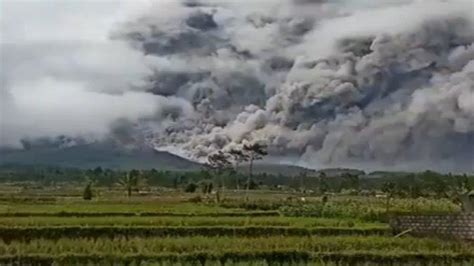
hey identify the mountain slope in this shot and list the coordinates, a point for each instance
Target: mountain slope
(97, 154)
(109, 155)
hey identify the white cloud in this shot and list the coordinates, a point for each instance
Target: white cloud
(60, 72)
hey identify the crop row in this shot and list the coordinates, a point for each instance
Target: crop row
(27, 233)
(396, 204)
(332, 210)
(140, 214)
(115, 207)
(184, 221)
(245, 258)
(155, 245)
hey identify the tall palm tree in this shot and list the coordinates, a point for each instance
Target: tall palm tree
(238, 157)
(130, 181)
(91, 182)
(254, 152)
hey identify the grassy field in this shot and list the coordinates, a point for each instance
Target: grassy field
(170, 228)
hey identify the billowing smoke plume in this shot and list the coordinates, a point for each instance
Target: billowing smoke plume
(322, 83)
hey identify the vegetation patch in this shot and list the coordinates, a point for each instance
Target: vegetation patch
(28, 233)
(249, 258)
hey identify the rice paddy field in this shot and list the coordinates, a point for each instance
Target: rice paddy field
(172, 228)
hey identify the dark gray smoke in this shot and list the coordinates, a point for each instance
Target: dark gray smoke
(301, 77)
(385, 84)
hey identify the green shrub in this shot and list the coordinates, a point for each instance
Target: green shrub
(254, 205)
(87, 195)
(190, 188)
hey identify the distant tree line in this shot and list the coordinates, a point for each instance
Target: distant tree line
(222, 171)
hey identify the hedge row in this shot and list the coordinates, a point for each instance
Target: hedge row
(271, 257)
(26, 233)
(37, 199)
(130, 214)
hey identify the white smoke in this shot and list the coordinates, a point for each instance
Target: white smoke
(62, 75)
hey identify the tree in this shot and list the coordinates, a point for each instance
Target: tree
(175, 182)
(254, 152)
(98, 171)
(130, 181)
(322, 183)
(388, 188)
(463, 193)
(95, 173)
(415, 190)
(302, 177)
(206, 186)
(409, 186)
(109, 177)
(439, 187)
(91, 180)
(435, 183)
(190, 188)
(251, 185)
(462, 183)
(87, 194)
(352, 181)
(238, 157)
(414, 187)
(219, 163)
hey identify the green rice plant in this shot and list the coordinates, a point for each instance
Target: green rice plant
(77, 207)
(366, 209)
(49, 221)
(29, 233)
(140, 214)
(353, 245)
(280, 257)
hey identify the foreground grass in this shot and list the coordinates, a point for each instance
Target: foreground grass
(280, 257)
(136, 245)
(237, 251)
(166, 230)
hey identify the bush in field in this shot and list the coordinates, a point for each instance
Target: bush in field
(255, 205)
(87, 194)
(190, 188)
(251, 185)
(91, 181)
